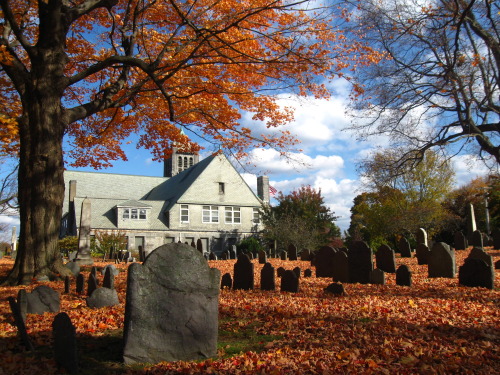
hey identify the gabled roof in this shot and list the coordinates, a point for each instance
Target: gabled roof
(133, 203)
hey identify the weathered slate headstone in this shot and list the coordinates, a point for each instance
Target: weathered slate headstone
(422, 236)
(496, 239)
(385, 259)
(262, 257)
(142, 254)
(404, 248)
(226, 281)
(233, 252)
(199, 245)
(114, 271)
(42, 299)
(19, 321)
(267, 277)
(422, 254)
(289, 282)
(360, 262)
(377, 276)
(323, 261)
(109, 279)
(459, 241)
(477, 239)
(65, 347)
(193, 244)
(336, 289)
(308, 273)
(80, 283)
(102, 297)
(280, 271)
(476, 273)
(67, 284)
(93, 271)
(305, 255)
(479, 253)
(243, 273)
(92, 284)
(225, 255)
(442, 261)
(171, 311)
(292, 252)
(297, 271)
(403, 276)
(340, 267)
(212, 256)
(284, 255)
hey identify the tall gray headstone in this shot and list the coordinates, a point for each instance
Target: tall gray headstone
(442, 261)
(340, 267)
(323, 261)
(172, 307)
(83, 256)
(385, 258)
(459, 241)
(422, 236)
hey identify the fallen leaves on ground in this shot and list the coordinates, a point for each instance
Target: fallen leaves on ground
(435, 326)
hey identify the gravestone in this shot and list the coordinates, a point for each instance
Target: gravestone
(340, 267)
(422, 236)
(193, 244)
(459, 241)
(477, 239)
(289, 282)
(212, 256)
(305, 255)
(479, 253)
(83, 256)
(22, 303)
(74, 267)
(19, 321)
(496, 239)
(476, 273)
(80, 283)
(308, 273)
(67, 284)
(225, 255)
(92, 284)
(292, 252)
(422, 254)
(114, 271)
(404, 248)
(360, 262)
(233, 252)
(442, 261)
(102, 297)
(226, 281)
(262, 257)
(297, 272)
(243, 273)
(171, 311)
(323, 261)
(335, 289)
(267, 277)
(403, 275)
(471, 222)
(42, 299)
(93, 271)
(283, 255)
(109, 279)
(65, 347)
(377, 276)
(280, 271)
(142, 254)
(199, 245)
(385, 259)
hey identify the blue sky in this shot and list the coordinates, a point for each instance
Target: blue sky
(327, 160)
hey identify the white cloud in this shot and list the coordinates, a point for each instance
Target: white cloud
(467, 168)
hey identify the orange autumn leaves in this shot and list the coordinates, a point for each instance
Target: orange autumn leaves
(435, 326)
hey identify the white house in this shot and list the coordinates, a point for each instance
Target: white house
(206, 200)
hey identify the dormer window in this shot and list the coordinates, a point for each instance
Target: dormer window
(133, 210)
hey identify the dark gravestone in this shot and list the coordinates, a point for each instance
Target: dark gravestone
(67, 284)
(42, 299)
(193, 244)
(233, 252)
(65, 348)
(93, 271)
(109, 279)
(340, 268)
(92, 284)
(142, 254)
(22, 303)
(479, 253)
(80, 284)
(403, 275)
(74, 267)
(404, 248)
(360, 262)
(212, 256)
(496, 239)
(284, 255)
(292, 252)
(243, 273)
(442, 261)
(323, 261)
(19, 321)
(289, 282)
(377, 276)
(422, 254)
(305, 255)
(336, 289)
(225, 255)
(459, 241)
(385, 259)
(267, 277)
(226, 281)
(297, 271)
(262, 257)
(199, 245)
(308, 273)
(280, 271)
(102, 297)
(114, 270)
(476, 273)
(477, 239)
(171, 311)
(497, 265)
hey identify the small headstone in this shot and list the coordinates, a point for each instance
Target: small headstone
(65, 348)
(22, 303)
(404, 248)
(92, 284)
(267, 277)
(42, 299)
(377, 276)
(323, 261)
(233, 252)
(385, 259)
(292, 252)
(67, 284)
(297, 271)
(280, 271)
(422, 254)
(308, 273)
(403, 275)
(477, 239)
(476, 273)
(283, 255)
(172, 307)
(73, 267)
(114, 271)
(199, 245)
(289, 282)
(243, 273)
(305, 255)
(225, 255)
(93, 271)
(340, 267)
(460, 241)
(262, 257)
(19, 321)
(109, 279)
(496, 239)
(80, 283)
(360, 262)
(422, 236)
(336, 289)
(142, 254)
(479, 253)
(226, 281)
(102, 297)
(212, 256)
(442, 261)
(193, 244)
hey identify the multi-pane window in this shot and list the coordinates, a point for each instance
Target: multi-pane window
(134, 213)
(184, 213)
(256, 215)
(233, 215)
(126, 213)
(210, 214)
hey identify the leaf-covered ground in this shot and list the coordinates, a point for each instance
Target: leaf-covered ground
(435, 326)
